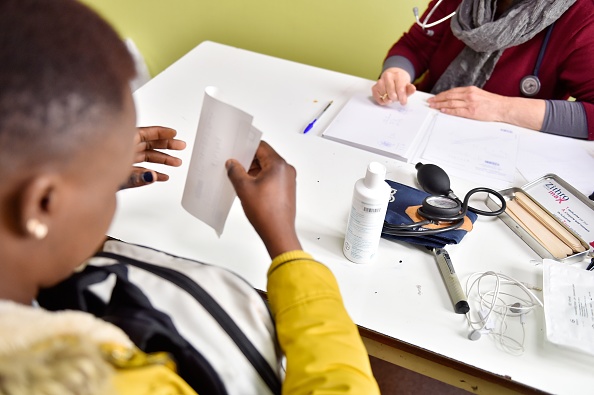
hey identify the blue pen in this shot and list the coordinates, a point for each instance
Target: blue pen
(311, 124)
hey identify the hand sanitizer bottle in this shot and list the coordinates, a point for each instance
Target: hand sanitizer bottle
(368, 211)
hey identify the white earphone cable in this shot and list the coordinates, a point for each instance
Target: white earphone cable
(497, 304)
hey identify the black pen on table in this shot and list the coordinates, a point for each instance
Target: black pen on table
(311, 124)
(451, 281)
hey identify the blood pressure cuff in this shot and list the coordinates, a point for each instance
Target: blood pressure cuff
(402, 210)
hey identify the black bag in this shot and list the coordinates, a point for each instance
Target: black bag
(214, 324)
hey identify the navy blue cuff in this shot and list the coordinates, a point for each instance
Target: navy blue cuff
(403, 198)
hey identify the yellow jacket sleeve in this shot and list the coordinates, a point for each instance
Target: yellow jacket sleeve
(325, 354)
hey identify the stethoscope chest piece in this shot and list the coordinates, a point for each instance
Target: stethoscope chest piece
(530, 86)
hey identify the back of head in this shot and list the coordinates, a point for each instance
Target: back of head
(62, 68)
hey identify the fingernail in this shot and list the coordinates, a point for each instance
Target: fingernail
(147, 176)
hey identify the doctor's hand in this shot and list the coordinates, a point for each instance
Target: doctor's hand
(268, 193)
(147, 141)
(471, 102)
(394, 85)
(475, 103)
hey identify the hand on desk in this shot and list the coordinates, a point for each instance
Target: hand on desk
(148, 140)
(470, 102)
(393, 85)
(475, 103)
(467, 102)
(267, 193)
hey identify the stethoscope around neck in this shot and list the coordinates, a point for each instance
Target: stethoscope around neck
(529, 85)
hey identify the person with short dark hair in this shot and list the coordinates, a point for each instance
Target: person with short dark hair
(68, 141)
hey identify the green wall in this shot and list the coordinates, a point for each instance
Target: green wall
(350, 36)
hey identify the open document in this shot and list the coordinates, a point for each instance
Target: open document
(224, 132)
(483, 152)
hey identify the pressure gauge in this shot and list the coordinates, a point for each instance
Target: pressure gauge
(441, 206)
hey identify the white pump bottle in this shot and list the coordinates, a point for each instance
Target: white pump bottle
(370, 201)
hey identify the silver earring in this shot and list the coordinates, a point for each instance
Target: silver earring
(37, 228)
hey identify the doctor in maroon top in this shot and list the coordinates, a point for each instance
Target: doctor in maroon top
(513, 61)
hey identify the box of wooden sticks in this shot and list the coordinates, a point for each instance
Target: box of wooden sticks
(551, 216)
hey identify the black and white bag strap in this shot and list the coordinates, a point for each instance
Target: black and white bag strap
(227, 323)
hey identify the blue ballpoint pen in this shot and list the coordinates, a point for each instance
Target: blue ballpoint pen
(311, 124)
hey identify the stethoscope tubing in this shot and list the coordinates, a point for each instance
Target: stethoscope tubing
(534, 77)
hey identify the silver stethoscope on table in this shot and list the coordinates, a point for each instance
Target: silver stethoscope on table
(529, 85)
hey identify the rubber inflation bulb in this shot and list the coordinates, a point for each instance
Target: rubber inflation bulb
(433, 179)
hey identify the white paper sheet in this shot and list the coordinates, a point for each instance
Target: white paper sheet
(224, 132)
(563, 156)
(483, 152)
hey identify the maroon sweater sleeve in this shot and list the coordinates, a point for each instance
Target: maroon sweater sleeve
(576, 59)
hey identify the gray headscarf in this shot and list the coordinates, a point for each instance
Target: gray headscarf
(486, 38)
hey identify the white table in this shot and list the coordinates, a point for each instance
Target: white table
(400, 298)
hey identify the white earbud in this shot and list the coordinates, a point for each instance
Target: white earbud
(477, 334)
(496, 305)
(516, 308)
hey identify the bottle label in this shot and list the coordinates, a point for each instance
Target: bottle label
(364, 231)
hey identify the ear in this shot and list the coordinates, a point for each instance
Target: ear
(38, 202)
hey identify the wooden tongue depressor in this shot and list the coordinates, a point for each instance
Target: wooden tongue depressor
(548, 221)
(547, 239)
